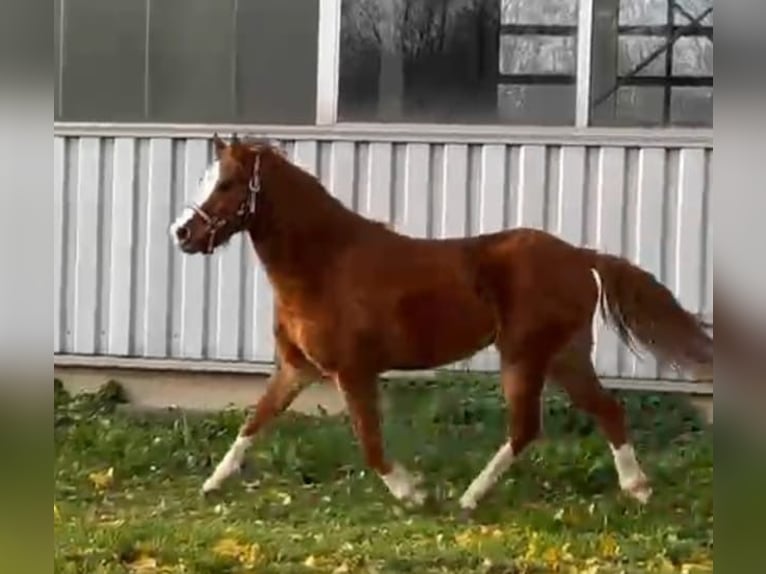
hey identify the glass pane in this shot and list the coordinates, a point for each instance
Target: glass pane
(693, 56)
(277, 61)
(692, 107)
(209, 61)
(537, 54)
(438, 61)
(693, 8)
(634, 50)
(560, 12)
(643, 12)
(539, 105)
(191, 60)
(103, 60)
(639, 106)
(57, 20)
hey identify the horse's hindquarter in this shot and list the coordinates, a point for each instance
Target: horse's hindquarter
(417, 301)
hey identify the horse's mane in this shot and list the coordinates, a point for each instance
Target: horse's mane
(258, 143)
(261, 144)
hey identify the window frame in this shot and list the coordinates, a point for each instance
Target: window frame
(327, 94)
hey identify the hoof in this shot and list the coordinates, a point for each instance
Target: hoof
(466, 514)
(640, 491)
(209, 487)
(415, 498)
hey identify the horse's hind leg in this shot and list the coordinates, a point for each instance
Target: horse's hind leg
(522, 383)
(573, 370)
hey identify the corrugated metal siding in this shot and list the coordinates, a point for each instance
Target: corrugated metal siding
(122, 289)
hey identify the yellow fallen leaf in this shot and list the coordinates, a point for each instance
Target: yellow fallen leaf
(102, 480)
(697, 568)
(464, 538)
(310, 562)
(247, 554)
(608, 547)
(552, 557)
(663, 564)
(143, 565)
(342, 569)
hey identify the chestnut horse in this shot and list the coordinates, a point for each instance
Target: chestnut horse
(353, 299)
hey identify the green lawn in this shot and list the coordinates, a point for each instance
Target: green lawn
(306, 503)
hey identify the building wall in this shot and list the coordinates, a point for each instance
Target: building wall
(121, 289)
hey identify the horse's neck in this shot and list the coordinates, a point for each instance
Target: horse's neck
(302, 231)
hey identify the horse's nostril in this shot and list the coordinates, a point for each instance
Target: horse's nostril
(183, 233)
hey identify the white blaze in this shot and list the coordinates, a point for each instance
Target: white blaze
(204, 189)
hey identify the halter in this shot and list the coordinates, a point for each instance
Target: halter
(244, 211)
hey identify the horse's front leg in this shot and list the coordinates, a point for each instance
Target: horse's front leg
(284, 386)
(361, 393)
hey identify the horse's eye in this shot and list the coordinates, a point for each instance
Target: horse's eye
(224, 185)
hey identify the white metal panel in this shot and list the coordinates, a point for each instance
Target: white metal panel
(86, 276)
(227, 325)
(192, 268)
(156, 255)
(531, 187)
(263, 317)
(121, 268)
(492, 188)
(571, 192)
(454, 201)
(378, 204)
(690, 230)
(305, 155)
(59, 240)
(648, 230)
(492, 183)
(707, 239)
(104, 241)
(343, 172)
(610, 228)
(416, 190)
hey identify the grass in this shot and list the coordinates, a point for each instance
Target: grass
(307, 503)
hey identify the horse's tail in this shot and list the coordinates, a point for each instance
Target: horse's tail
(641, 308)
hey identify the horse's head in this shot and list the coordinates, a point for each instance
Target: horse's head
(227, 191)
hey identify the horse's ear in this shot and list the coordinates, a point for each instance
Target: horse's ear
(278, 147)
(235, 139)
(218, 144)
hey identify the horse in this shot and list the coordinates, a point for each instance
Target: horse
(354, 298)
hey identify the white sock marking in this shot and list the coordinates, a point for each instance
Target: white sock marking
(631, 477)
(403, 485)
(487, 477)
(205, 187)
(229, 464)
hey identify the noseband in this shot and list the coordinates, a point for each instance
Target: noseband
(244, 211)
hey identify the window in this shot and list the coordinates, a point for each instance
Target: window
(198, 61)
(653, 63)
(502, 62)
(462, 61)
